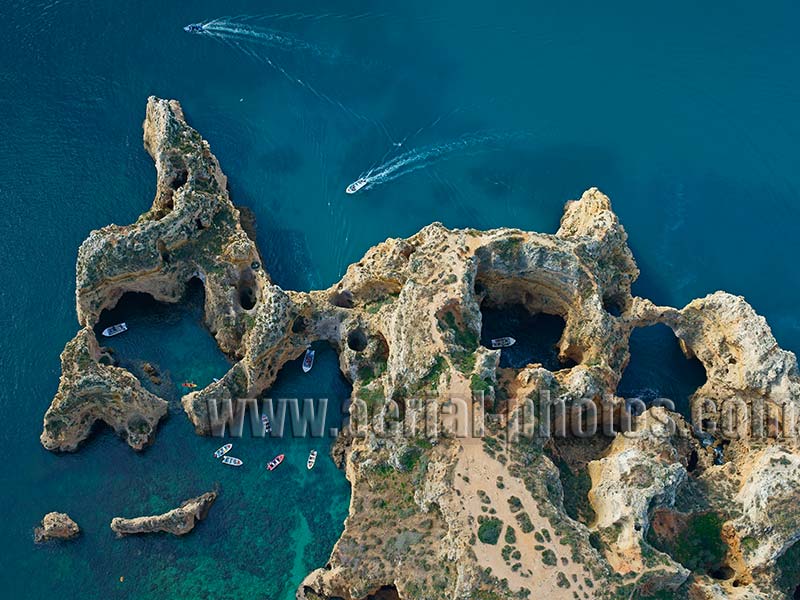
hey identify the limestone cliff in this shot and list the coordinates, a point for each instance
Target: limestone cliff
(93, 390)
(436, 515)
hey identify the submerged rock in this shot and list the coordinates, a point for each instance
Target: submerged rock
(178, 521)
(56, 526)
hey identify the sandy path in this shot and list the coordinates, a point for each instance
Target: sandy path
(481, 472)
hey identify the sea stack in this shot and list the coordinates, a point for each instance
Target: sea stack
(178, 521)
(56, 526)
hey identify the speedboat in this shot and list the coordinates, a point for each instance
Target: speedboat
(312, 458)
(267, 424)
(357, 185)
(189, 384)
(222, 451)
(232, 461)
(275, 462)
(194, 28)
(115, 329)
(503, 342)
(308, 360)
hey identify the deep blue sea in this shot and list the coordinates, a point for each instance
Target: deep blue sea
(685, 113)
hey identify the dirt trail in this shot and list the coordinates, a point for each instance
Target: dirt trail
(476, 478)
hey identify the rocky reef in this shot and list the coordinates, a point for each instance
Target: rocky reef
(649, 505)
(56, 526)
(178, 521)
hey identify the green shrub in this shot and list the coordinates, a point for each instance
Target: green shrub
(489, 530)
(511, 535)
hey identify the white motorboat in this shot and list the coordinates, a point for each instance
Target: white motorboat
(115, 329)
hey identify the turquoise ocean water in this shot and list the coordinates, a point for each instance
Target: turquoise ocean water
(685, 113)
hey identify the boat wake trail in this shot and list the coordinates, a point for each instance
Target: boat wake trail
(272, 38)
(421, 158)
(246, 38)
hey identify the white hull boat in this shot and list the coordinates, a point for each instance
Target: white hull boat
(115, 329)
(223, 450)
(308, 360)
(503, 342)
(357, 185)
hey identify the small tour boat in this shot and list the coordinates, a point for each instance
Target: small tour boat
(189, 384)
(267, 425)
(503, 342)
(275, 462)
(222, 451)
(308, 360)
(115, 329)
(232, 461)
(312, 458)
(357, 185)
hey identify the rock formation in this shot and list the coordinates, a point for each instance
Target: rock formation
(56, 526)
(178, 521)
(427, 508)
(93, 390)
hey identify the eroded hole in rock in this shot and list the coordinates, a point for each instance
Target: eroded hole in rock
(357, 340)
(693, 460)
(299, 325)
(343, 299)
(162, 250)
(157, 340)
(612, 306)
(570, 457)
(247, 289)
(722, 573)
(537, 335)
(181, 177)
(659, 369)
(387, 592)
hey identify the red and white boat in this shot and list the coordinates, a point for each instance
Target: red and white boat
(232, 461)
(223, 450)
(272, 465)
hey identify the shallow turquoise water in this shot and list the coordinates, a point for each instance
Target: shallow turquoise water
(685, 114)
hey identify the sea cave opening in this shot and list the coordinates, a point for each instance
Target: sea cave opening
(531, 310)
(537, 335)
(166, 345)
(322, 397)
(658, 369)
